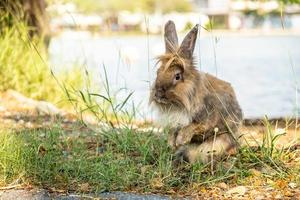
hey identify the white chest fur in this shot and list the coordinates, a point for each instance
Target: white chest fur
(173, 119)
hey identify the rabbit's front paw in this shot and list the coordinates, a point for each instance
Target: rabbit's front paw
(172, 139)
(184, 136)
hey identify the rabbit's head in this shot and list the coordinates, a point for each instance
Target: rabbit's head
(177, 78)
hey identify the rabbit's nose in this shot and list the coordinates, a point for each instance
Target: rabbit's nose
(160, 92)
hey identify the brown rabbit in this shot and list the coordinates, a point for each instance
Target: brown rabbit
(201, 110)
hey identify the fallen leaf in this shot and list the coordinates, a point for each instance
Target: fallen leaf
(157, 183)
(84, 187)
(260, 197)
(270, 182)
(144, 169)
(281, 184)
(239, 190)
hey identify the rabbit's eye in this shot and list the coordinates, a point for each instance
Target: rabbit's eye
(178, 76)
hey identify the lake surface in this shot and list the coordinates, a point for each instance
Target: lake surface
(262, 69)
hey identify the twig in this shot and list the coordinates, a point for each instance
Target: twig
(10, 187)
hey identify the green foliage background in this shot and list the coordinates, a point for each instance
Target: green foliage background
(147, 6)
(24, 64)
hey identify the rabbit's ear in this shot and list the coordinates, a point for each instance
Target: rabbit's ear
(188, 44)
(171, 39)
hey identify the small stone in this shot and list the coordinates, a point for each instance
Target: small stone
(2, 109)
(292, 185)
(239, 190)
(222, 185)
(29, 125)
(259, 197)
(278, 196)
(8, 121)
(269, 188)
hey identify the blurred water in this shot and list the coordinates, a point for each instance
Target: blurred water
(262, 69)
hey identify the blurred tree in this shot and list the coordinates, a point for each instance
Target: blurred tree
(290, 1)
(148, 6)
(32, 12)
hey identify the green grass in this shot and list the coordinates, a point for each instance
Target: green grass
(120, 159)
(110, 159)
(23, 65)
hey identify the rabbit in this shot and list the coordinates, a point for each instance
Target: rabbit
(201, 111)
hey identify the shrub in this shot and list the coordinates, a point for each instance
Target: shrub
(24, 67)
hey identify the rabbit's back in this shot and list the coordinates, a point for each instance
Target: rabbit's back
(219, 98)
(222, 96)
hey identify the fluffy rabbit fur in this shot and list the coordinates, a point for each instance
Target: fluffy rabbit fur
(201, 110)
